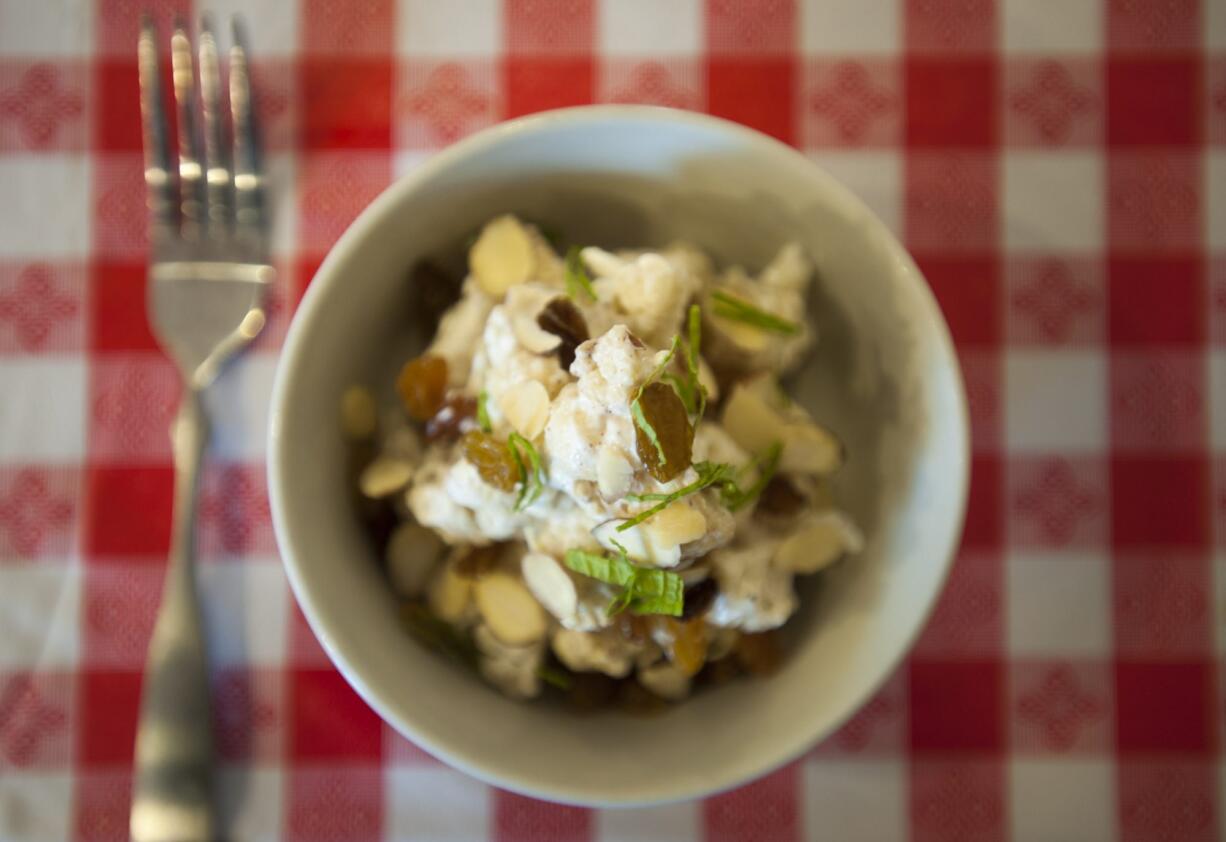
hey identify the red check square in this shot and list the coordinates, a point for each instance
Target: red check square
(130, 511)
(116, 111)
(346, 103)
(1156, 301)
(1165, 708)
(985, 509)
(956, 706)
(757, 92)
(533, 83)
(108, 702)
(118, 321)
(329, 721)
(969, 292)
(958, 105)
(1159, 502)
(1153, 101)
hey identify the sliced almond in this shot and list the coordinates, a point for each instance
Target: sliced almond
(810, 449)
(403, 443)
(680, 523)
(385, 476)
(449, 595)
(503, 256)
(550, 584)
(614, 473)
(638, 543)
(751, 422)
(824, 539)
(706, 377)
(526, 406)
(746, 337)
(359, 415)
(665, 680)
(413, 551)
(509, 609)
(524, 305)
(601, 263)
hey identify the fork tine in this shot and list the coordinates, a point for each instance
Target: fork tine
(248, 179)
(159, 177)
(185, 95)
(216, 175)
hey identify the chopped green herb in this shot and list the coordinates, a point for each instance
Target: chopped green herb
(740, 310)
(690, 389)
(531, 474)
(709, 473)
(636, 407)
(577, 278)
(733, 497)
(483, 414)
(646, 590)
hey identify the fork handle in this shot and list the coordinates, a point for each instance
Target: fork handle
(172, 799)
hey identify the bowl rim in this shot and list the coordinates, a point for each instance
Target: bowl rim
(372, 689)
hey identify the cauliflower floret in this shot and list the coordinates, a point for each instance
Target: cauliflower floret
(513, 669)
(753, 594)
(780, 291)
(649, 292)
(501, 360)
(448, 495)
(604, 651)
(459, 330)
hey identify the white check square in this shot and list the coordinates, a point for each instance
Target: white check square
(456, 28)
(46, 28)
(679, 822)
(40, 616)
(34, 806)
(851, 26)
(434, 803)
(246, 605)
(238, 406)
(48, 211)
(1062, 799)
(46, 421)
(650, 28)
(874, 176)
(855, 800)
(1052, 26)
(1058, 604)
(1055, 401)
(1053, 201)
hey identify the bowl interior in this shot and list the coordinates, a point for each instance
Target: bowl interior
(884, 378)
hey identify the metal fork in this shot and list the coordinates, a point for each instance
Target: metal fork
(208, 273)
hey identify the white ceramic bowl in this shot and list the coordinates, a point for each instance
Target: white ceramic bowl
(885, 377)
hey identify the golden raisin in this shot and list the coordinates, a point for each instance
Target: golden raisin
(689, 647)
(632, 627)
(563, 319)
(666, 415)
(453, 417)
(761, 653)
(492, 459)
(422, 385)
(781, 498)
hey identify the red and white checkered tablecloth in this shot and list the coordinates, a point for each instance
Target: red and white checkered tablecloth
(1057, 167)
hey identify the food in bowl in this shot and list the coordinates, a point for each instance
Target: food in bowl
(594, 479)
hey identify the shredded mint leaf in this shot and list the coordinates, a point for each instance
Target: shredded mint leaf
(709, 473)
(733, 497)
(614, 571)
(646, 590)
(636, 408)
(740, 310)
(577, 278)
(483, 414)
(531, 474)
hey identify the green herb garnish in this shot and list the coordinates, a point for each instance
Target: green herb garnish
(691, 391)
(636, 408)
(483, 414)
(731, 494)
(531, 474)
(646, 590)
(740, 310)
(709, 473)
(577, 277)
(718, 474)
